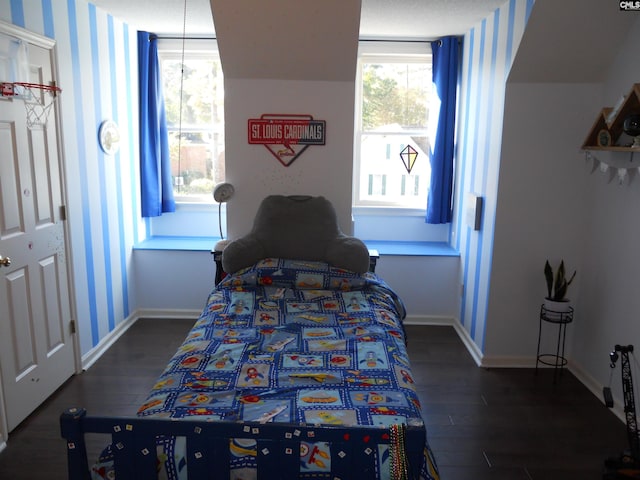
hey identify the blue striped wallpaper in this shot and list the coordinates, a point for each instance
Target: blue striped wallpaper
(96, 57)
(102, 173)
(487, 57)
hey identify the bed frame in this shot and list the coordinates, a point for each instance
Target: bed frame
(294, 227)
(278, 446)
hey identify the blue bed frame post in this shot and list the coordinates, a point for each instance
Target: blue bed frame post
(72, 431)
(415, 444)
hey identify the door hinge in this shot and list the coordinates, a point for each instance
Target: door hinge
(72, 326)
(63, 212)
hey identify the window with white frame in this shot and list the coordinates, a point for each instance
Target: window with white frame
(194, 100)
(394, 87)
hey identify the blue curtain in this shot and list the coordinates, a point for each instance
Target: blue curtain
(155, 163)
(445, 77)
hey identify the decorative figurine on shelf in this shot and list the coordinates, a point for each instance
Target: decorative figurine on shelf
(631, 127)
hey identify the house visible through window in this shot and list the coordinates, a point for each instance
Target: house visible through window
(392, 111)
(195, 122)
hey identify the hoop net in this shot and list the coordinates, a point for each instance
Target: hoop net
(36, 101)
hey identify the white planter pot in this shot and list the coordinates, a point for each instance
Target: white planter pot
(555, 310)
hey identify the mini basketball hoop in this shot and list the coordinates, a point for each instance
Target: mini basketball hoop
(36, 101)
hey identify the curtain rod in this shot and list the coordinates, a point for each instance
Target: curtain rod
(373, 40)
(383, 40)
(180, 37)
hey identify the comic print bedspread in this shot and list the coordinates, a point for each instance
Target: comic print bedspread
(296, 342)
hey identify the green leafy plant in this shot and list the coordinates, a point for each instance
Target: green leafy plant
(557, 284)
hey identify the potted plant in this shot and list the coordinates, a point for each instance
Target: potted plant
(557, 285)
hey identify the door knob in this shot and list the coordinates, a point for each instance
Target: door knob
(4, 261)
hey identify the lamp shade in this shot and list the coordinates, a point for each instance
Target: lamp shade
(222, 192)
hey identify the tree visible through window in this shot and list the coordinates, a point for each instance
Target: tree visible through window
(392, 112)
(195, 120)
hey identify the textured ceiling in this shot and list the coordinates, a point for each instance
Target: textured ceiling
(397, 19)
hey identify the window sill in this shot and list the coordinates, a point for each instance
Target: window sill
(165, 242)
(425, 249)
(388, 211)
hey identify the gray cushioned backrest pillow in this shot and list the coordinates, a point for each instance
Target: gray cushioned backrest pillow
(300, 228)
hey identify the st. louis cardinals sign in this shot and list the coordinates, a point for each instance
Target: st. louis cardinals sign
(286, 136)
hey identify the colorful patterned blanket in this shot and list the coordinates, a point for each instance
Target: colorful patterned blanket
(290, 341)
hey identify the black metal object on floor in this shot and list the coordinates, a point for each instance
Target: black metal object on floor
(627, 465)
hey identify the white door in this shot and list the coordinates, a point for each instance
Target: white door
(36, 344)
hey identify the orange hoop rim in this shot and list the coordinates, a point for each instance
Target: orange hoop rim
(41, 86)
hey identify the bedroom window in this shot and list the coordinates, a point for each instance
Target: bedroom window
(195, 125)
(394, 86)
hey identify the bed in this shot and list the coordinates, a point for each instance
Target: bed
(296, 368)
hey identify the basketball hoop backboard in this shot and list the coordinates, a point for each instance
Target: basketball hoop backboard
(14, 59)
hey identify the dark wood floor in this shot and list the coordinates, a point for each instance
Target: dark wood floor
(483, 424)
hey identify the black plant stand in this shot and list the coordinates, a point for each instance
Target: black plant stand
(561, 319)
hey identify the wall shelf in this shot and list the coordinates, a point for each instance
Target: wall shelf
(606, 140)
(613, 149)
(609, 125)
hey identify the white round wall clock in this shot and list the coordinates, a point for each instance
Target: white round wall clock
(109, 137)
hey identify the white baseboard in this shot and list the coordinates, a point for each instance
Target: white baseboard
(89, 358)
(596, 388)
(468, 342)
(472, 348)
(480, 358)
(109, 339)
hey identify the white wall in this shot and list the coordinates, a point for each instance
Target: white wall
(178, 283)
(298, 58)
(609, 304)
(542, 209)
(174, 282)
(428, 285)
(320, 170)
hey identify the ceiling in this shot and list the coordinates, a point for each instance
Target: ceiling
(380, 19)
